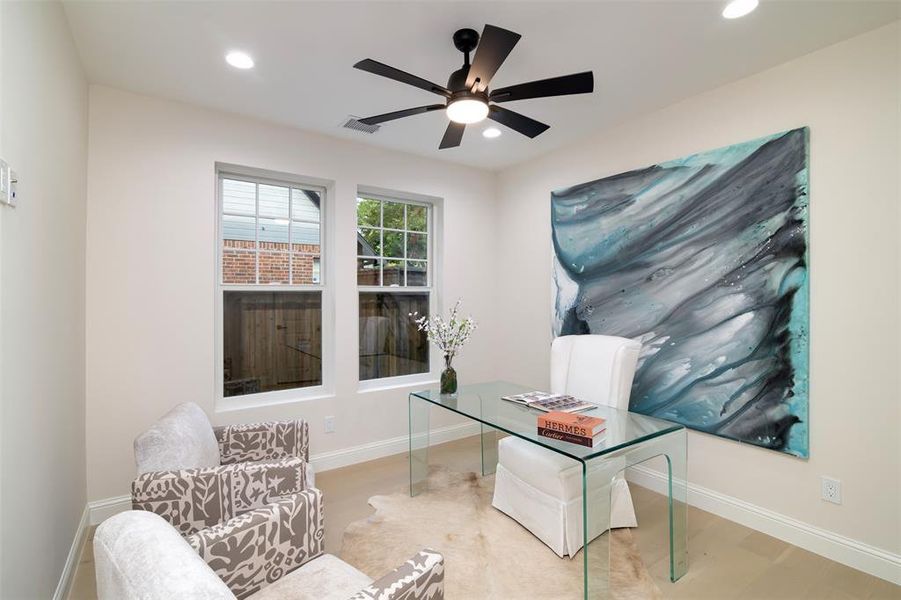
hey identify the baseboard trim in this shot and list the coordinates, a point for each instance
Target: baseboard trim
(71, 564)
(326, 461)
(850, 552)
(100, 510)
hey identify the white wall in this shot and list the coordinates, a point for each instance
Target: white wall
(152, 263)
(849, 96)
(42, 279)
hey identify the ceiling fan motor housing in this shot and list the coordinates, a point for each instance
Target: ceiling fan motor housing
(466, 40)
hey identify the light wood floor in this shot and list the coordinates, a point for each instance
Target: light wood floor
(726, 560)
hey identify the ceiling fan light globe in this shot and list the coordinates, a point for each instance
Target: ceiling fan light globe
(467, 111)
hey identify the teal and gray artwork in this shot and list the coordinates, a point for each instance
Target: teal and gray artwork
(704, 261)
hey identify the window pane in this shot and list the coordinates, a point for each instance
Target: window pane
(417, 245)
(393, 273)
(238, 228)
(369, 271)
(305, 205)
(238, 197)
(239, 267)
(272, 341)
(394, 244)
(305, 269)
(306, 235)
(417, 218)
(369, 212)
(273, 201)
(275, 231)
(393, 215)
(417, 273)
(273, 267)
(390, 343)
(369, 242)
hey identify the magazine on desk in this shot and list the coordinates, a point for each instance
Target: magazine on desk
(550, 402)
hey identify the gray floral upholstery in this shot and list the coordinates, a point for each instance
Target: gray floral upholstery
(273, 553)
(196, 476)
(192, 499)
(420, 578)
(259, 547)
(263, 441)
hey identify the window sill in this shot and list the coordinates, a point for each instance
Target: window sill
(266, 399)
(396, 383)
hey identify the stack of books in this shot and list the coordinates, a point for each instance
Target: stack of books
(568, 427)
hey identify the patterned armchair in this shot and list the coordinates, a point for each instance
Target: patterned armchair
(196, 476)
(264, 554)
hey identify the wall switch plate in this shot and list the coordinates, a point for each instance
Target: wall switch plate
(831, 490)
(330, 424)
(4, 182)
(8, 183)
(12, 194)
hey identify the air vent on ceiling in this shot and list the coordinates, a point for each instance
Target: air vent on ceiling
(353, 123)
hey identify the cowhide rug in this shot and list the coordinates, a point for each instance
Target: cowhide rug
(487, 554)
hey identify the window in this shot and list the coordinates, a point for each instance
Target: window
(270, 285)
(394, 275)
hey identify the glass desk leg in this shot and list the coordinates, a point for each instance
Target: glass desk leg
(597, 489)
(677, 461)
(419, 444)
(597, 486)
(489, 449)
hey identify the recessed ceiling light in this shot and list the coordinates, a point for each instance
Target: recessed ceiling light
(739, 8)
(239, 60)
(491, 132)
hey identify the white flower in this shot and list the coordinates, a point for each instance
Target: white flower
(449, 335)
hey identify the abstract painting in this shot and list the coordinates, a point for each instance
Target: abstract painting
(703, 260)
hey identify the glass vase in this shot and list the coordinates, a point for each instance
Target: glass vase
(448, 378)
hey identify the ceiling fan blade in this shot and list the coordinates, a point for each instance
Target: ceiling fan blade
(377, 68)
(400, 114)
(517, 122)
(577, 83)
(494, 47)
(453, 135)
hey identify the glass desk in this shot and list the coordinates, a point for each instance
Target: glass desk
(630, 439)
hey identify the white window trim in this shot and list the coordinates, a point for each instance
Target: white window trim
(326, 287)
(434, 257)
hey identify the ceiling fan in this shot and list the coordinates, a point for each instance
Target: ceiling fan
(467, 97)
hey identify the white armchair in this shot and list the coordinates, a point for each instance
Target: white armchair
(541, 489)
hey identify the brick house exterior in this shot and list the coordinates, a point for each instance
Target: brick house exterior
(239, 262)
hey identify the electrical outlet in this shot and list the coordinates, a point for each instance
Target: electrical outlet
(832, 490)
(330, 424)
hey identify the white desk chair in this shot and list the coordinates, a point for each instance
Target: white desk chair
(542, 489)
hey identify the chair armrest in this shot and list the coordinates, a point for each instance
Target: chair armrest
(263, 441)
(259, 547)
(192, 499)
(420, 578)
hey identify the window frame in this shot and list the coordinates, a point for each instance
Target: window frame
(434, 211)
(325, 287)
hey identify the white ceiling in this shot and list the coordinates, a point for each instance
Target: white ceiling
(645, 55)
